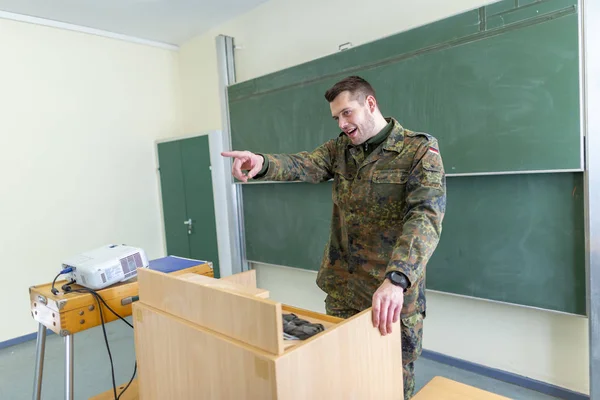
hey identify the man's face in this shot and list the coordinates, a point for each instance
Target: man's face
(355, 119)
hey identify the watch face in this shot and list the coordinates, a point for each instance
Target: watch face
(398, 279)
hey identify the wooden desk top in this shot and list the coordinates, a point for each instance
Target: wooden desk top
(440, 388)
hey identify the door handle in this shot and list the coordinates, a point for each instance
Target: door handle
(189, 224)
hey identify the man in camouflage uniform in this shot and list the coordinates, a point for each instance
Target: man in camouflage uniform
(389, 200)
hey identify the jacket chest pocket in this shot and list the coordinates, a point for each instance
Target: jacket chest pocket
(389, 187)
(342, 187)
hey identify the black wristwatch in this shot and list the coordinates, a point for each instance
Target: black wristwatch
(398, 279)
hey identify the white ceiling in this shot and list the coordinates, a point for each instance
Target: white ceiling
(166, 21)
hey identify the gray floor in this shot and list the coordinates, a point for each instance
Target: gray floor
(92, 368)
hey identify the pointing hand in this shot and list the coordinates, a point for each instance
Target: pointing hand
(244, 161)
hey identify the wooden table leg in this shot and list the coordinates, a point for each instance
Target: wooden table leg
(39, 362)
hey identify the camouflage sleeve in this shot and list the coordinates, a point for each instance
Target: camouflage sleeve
(314, 167)
(426, 206)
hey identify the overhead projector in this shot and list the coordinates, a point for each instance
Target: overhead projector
(105, 266)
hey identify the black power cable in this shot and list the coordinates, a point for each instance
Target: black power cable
(64, 271)
(98, 297)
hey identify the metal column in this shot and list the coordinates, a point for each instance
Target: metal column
(590, 57)
(225, 59)
(39, 362)
(69, 367)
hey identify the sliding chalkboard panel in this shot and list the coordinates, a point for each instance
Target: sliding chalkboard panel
(498, 99)
(511, 238)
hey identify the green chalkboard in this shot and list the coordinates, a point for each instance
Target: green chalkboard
(498, 97)
(499, 88)
(511, 238)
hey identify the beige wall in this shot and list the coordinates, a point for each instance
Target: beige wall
(537, 344)
(200, 85)
(80, 115)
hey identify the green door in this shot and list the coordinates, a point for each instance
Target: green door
(187, 197)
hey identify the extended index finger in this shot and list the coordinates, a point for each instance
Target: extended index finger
(234, 153)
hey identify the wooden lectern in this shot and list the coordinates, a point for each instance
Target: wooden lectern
(198, 337)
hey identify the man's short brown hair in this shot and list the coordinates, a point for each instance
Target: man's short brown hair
(357, 86)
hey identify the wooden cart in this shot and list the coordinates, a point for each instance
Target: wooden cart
(69, 313)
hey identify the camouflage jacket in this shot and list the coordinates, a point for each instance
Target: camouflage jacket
(387, 211)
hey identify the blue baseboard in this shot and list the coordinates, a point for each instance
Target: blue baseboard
(22, 339)
(504, 376)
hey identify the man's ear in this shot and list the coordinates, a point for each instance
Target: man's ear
(371, 103)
